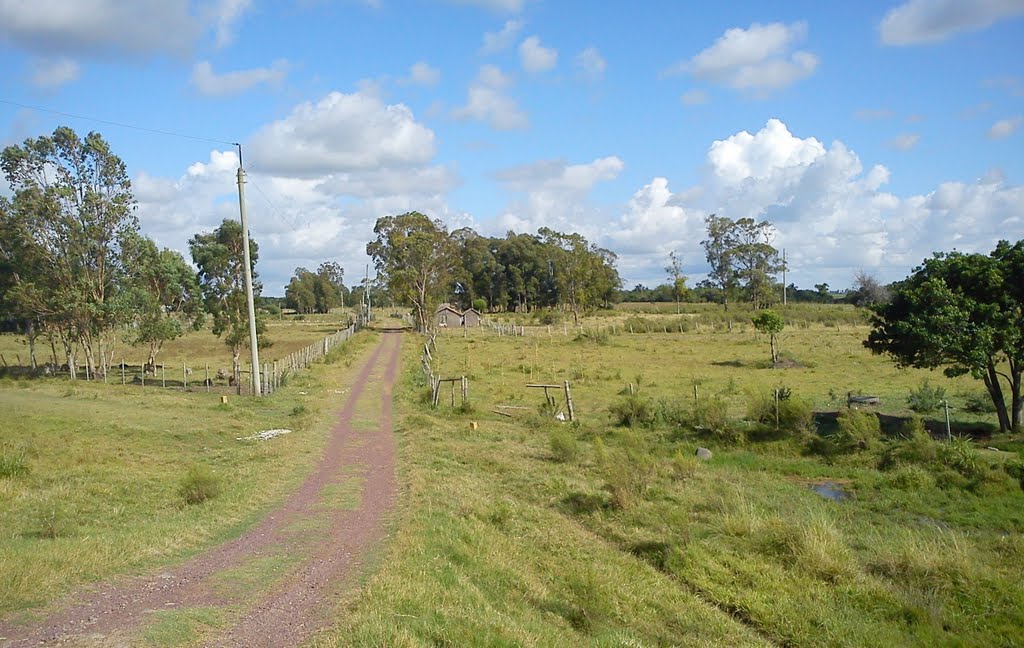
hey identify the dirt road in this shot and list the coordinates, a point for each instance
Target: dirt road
(314, 545)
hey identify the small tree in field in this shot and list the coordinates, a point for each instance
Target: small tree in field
(770, 323)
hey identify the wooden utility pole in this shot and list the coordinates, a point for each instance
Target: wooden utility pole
(247, 268)
(783, 276)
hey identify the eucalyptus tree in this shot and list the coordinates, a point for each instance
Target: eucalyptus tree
(72, 210)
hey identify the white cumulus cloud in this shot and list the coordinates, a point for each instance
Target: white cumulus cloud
(500, 40)
(930, 21)
(535, 57)
(342, 132)
(212, 84)
(759, 58)
(487, 101)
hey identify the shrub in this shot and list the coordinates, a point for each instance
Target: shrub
(913, 446)
(199, 484)
(979, 403)
(959, 454)
(1015, 469)
(794, 413)
(633, 411)
(926, 398)
(911, 477)
(712, 416)
(684, 466)
(564, 448)
(13, 463)
(857, 430)
(672, 414)
(628, 471)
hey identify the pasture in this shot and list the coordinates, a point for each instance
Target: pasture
(525, 531)
(97, 479)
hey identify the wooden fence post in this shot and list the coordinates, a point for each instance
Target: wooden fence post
(568, 402)
(122, 371)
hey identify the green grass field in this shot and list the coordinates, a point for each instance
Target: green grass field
(520, 530)
(529, 532)
(91, 474)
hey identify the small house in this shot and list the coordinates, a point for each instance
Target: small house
(471, 317)
(447, 315)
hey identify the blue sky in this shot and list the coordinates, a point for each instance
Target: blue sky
(869, 133)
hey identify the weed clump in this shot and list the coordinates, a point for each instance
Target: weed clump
(13, 463)
(633, 411)
(794, 414)
(564, 448)
(856, 430)
(711, 415)
(628, 471)
(199, 485)
(960, 455)
(926, 398)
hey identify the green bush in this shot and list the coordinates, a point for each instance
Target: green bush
(856, 430)
(564, 448)
(959, 454)
(671, 413)
(913, 446)
(794, 413)
(911, 477)
(1015, 469)
(979, 403)
(711, 415)
(199, 485)
(926, 398)
(633, 411)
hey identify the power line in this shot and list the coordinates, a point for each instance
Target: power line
(118, 124)
(278, 212)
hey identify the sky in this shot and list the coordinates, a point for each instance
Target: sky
(870, 134)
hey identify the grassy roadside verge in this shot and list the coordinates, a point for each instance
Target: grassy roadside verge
(100, 491)
(533, 533)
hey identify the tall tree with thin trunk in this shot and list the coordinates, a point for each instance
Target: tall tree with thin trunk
(73, 200)
(218, 255)
(675, 273)
(718, 248)
(416, 258)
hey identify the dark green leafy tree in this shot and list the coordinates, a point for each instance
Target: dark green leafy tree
(316, 293)
(584, 274)
(416, 258)
(965, 313)
(72, 207)
(771, 324)
(166, 293)
(218, 255)
(742, 259)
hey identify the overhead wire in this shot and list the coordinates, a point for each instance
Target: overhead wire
(118, 124)
(290, 222)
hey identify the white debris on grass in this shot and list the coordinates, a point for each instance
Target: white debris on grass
(264, 435)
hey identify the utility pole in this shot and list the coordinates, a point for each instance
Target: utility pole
(247, 268)
(369, 304)
(784, 276)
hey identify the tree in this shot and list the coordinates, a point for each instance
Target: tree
(675, 273)
(416, 259)
(718, 248)
(316, 293)
(824, 296)
(742, 257)
(73, 208)
(166, 292)
(755, 261)
(584, 275)
(867, 290)
(771, 324)
(963, 312)
(218, 255)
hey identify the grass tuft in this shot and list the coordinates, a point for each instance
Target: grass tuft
(199, 485)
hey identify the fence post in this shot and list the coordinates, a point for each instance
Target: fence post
(184, 376)
(122, 371)
(163, 375)
(568, 402)
(207, 377)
